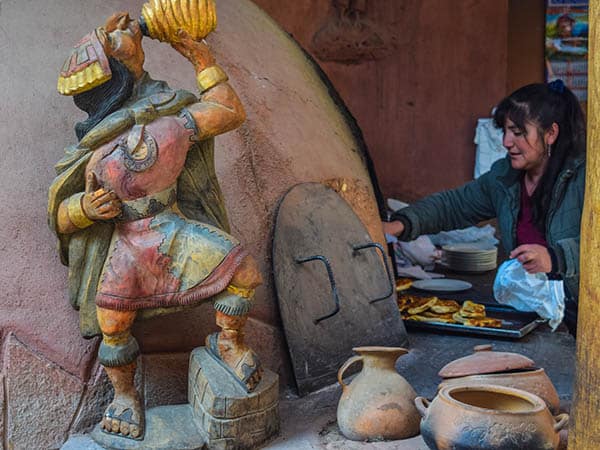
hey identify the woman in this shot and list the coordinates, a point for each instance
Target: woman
(536, 192)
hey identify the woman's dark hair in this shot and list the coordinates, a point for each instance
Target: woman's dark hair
(104, 99)
(542, 105)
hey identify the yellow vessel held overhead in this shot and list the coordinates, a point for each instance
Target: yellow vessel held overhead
(164, 18)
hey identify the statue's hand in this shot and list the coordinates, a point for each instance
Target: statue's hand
(197, 52)
(98, 203)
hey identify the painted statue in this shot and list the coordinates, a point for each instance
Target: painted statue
(137, 207)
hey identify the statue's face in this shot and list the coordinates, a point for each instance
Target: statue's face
(123, 41)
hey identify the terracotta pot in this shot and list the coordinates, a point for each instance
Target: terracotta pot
(379, 403)
(503, 369)
(488, 417)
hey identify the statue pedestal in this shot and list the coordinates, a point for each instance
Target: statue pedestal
(167, 428)
(230, 417)
(220, 415)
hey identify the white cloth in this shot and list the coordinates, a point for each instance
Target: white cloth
(410, 256)
(480, 236)
(489, 148)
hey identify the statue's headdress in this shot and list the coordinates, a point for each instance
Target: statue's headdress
(86, 67)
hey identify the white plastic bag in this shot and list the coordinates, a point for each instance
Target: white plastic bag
(523, 291)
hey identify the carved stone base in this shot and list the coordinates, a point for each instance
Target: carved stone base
(220, 415)
(230, 417)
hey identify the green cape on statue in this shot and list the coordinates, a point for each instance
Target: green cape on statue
(199, 195)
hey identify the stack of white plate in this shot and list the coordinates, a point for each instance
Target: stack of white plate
(470, 258)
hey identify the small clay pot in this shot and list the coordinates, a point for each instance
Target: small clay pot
(379, 403)
(488, 417)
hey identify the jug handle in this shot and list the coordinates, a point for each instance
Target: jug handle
(561, 421)
(344, 367)
(422, 404)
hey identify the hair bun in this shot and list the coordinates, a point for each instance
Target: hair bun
(557, 86)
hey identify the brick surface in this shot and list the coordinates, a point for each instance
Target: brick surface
(230, 417)
(41, 398)
(98, 394)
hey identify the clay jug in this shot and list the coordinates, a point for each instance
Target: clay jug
(378, 404)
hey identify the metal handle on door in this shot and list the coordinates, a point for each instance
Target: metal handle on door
(334, 292)
(377, 246)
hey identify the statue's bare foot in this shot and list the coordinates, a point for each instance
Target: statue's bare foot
(238, 358)
(124, 417)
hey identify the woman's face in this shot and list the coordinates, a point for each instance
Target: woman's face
(527, 148)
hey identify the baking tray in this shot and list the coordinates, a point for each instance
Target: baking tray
(515, 324)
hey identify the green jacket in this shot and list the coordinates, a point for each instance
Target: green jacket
(496, 194)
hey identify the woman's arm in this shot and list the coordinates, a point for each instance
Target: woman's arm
(448, 210)
(567, 258)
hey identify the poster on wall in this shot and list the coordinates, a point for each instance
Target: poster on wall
(567, 44)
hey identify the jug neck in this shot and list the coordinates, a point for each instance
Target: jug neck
(380, 357)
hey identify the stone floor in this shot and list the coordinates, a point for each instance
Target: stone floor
(309, 423)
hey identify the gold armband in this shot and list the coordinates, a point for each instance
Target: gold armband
(210, 77)
(240, 292)
(75, 211)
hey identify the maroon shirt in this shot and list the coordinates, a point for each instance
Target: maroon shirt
(527, 232)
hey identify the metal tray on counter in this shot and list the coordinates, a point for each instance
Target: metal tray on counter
(515, 324)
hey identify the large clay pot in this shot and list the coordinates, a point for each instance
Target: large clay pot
(379, 403)
(488, 417)
(533, 381)
(502, 369)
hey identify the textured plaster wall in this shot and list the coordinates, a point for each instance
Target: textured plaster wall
(418, 106)
(50, 384)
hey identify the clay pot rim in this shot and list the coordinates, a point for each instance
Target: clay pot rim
(375, 348)
(538, 405)
(521, 373)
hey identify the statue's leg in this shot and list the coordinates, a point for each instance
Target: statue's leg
(233, 305)
(118, 353)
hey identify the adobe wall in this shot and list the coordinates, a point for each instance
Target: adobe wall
(50, 383)
(445, 66)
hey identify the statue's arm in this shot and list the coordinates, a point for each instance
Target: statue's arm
(82, 209)
(219, 109)
(64, 223)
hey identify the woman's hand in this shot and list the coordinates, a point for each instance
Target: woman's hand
(394, 228)
(98, 203)
(535, 258)
(195, 52)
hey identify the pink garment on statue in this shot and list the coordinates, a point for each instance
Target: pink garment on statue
(161, 259)
(527, 232)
